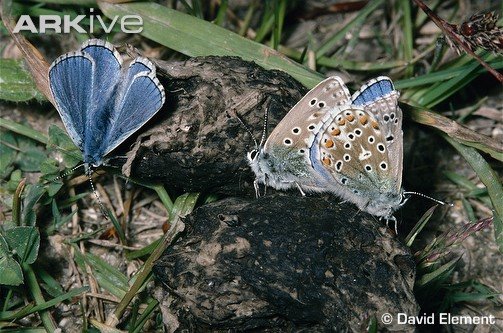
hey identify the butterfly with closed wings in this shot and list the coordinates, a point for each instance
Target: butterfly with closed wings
(330, 141)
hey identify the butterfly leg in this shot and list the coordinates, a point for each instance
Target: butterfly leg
(300, 189)
(257, 189)
(392, 218)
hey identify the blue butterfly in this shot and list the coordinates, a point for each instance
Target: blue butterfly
(333, 142)
(101, 102)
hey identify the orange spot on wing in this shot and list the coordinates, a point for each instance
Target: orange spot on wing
(326, 161)
(336, 132)
(363, 120)
(342, 122)
(375, 125)
(350, 117)
(329, 143)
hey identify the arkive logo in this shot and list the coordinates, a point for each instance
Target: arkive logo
(130, 24)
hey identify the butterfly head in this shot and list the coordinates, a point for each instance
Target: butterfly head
(386, 204)
(255, 158)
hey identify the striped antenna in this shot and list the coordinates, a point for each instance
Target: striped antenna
(247, 130)
(67, 173)
(432, 199)
(264, 130)
(89, 172)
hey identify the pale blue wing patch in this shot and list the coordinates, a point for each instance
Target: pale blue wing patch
(106, 76)
(108, 64)
(373, 90)
(140, 101)
(71, 82)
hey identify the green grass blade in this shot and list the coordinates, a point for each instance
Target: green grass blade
(419, 226)
(346, 64)
(408, 42)
(221, 13)
(358, 20)
(194, 37)
(440, 272)
(441, 91)
(23, 130)
(490, 180)
(442, 75)
(45, 305)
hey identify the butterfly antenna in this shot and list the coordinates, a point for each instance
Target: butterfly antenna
(67, 172)
(264, 130)
(432, 199)
(102, 207)
(247, 130)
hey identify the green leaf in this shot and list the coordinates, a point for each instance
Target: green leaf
(16, 83)
(31, 159)
(24, 242)
(50, 172)
(7, 153)
(191, 36)
(60, 141)
(34, 193)
(12, 274)
(184, 204)
(15, 178)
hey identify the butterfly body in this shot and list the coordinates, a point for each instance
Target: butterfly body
(331, 142)
(101, 102)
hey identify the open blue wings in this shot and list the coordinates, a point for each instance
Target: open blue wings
(102, 104)
(71, 83)
(140, 97)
